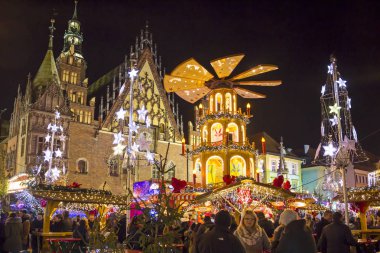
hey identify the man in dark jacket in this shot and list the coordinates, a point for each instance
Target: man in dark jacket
(297, 238)
(13, 234)
(67, 222)
(326, 219)
(220, 239)
(36, 229)
(336, 237)
(265, 224)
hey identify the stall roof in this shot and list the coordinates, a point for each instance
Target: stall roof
(362, 194)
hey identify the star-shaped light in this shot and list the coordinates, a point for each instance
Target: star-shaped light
(147, 122)
(49, 126)
(329, 150)
(150, 157)
(47, 138)
(57, 114)
(55, 173)
(348, 144)
(58, 153)
(330, 69)
(120, 114)
(135, 147)
(142, 113)
(348, 103)
(335, 109)
(133, 127)
(62, 138)
(54, 128)
(323, 90)
(341, 82)
(48, 154)
(118, 138)
(354, 134)
(133, 73)
(334, 121)
(118, 149)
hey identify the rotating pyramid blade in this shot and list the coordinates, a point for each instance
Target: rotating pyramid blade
(193, 95)
(248, 94)
(260, 83)
(225, 65)
(191, 69)
(257, 70)
(173, 83)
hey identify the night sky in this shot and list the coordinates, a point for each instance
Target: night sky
(298, 36)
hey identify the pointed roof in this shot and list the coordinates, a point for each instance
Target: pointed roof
(75, 15)
(47, 72)
(272, 146)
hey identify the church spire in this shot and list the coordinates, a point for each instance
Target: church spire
(73, 37)
(51, 36)
(75, 10)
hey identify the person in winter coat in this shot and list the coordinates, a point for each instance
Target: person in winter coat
(326, 219)
(253, 237)
(207, 226)
(13, 234)
(266, 224)
(296, 238)
(285, 218)
(37, 227)
(220, 239)
(336, 237)
(25, 230)
(67, 222)
(82, 233)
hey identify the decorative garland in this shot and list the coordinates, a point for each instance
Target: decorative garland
(60, 188)
(220, 148)
(220, 115)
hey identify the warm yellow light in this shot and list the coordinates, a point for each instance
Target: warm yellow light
(194, 171)
(248, 105)
(262, 139)
(200, 106)
(227, 130)
(183, 140)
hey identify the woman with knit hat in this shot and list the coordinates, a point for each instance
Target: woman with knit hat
(286, 217)
(251, 235)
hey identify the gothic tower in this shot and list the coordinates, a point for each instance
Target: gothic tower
(72, 72)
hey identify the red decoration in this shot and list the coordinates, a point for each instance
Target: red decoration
(245, 196)
(228, 179)
(43, 203)
(286, 185)
(74, 185)
(359, 207)
(178, 185)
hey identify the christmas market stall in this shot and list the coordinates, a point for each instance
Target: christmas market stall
(361, 199)
(55, 196)
(243, 194)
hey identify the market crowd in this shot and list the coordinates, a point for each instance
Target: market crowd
(251, 232)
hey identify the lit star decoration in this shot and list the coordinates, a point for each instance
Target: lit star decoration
(133, 127)
(329, 150)
(147, 122)
(150, 157)
(118, 138)
(133, 73)
(58, 153)
(335, 109)
(142, 113)
(118, 149)
(120, 114)
(330, 69)
(54, 128)
(135, 147)
(144, 143)
(47, 138)
(323, 90)
(348, 144)
(62, 138)
(57, 114)
(348, 103)
(334, 121)
(55, 173)
(341, 82)
(47, 156)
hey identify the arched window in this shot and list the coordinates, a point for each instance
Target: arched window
(237, 166)
(233, 131)
(205, 134)
(216, 132)
(235, 106)
(211, 103)
(214, 173)
(82, 166)
(218, 102)
(228, 102)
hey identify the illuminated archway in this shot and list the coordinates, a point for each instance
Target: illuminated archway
(235, 104)
(228, 102)
(214, 173)
(204, 134)
(218, 102)
(211, 103)
(233, 129)
(216, 132)
(237, 166)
